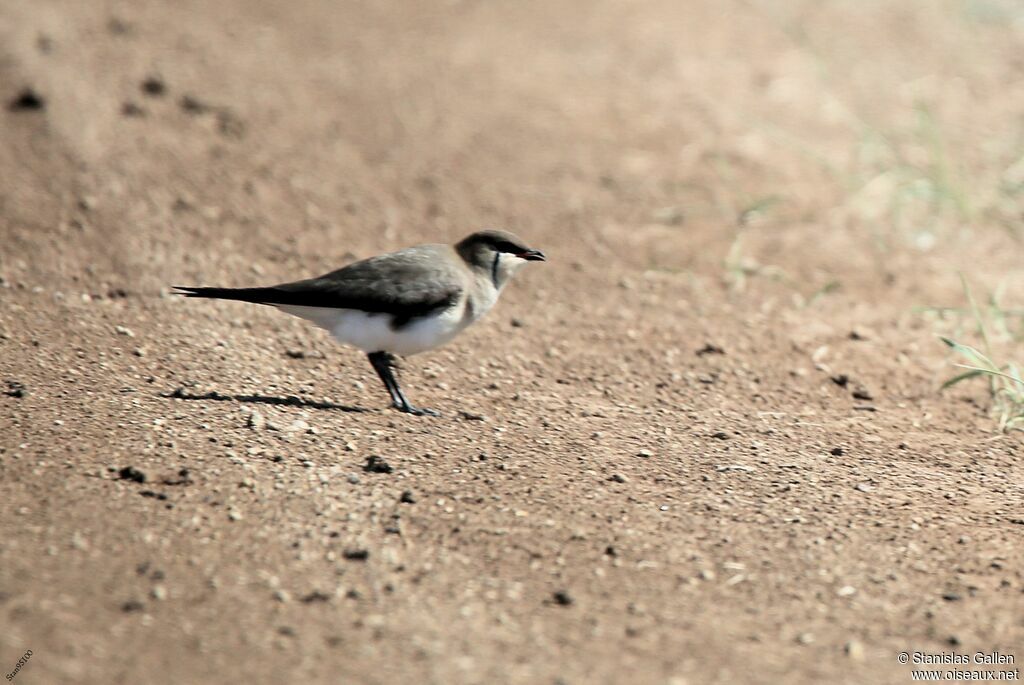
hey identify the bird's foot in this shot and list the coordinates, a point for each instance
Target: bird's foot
(415, 411)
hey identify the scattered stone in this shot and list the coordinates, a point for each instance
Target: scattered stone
(611, 551)
(132, 605)
(407, 497)
(645, 453)
(376, 464)
(353, 479)
(469, 416)
(193, 105)
(805, 638)
(618, 478)
(184, 477)
(316, 596)
(356, 554)
(256, 421)
(720, 435)
(282, 596)
(130, 109)
(854, 650)
(287, 631)
(516, 323)
(229, 124)
(726, 468)
(153, 86)
(16, 389)
(841, 380)
(131, 473)
(155, 495)
(234, 515)
(862, 394)
(562, 598)
(710, 348)
(863, 487)
(836, 451)
(125, 331)
(159, 593)
(951, 597)
(846, 591)
(27, 101)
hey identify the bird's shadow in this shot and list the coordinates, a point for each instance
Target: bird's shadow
(288, 401)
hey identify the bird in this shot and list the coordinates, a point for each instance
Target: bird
(399, 303)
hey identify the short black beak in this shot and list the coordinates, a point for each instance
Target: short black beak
(532, 256)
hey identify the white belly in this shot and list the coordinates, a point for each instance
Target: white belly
(374, 333)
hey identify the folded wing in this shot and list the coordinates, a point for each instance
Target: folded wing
(406, 284)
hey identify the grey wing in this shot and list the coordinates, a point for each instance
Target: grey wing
(406, 284)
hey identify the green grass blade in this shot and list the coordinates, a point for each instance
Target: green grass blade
(961, 377)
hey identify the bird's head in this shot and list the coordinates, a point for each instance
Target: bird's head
(499, 253)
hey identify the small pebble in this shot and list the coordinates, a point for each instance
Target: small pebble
(153, 86)
(131, 473)
(26, 100)
(376, 464)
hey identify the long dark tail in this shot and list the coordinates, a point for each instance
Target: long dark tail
(257, 295)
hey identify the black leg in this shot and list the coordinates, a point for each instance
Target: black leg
(382, 363)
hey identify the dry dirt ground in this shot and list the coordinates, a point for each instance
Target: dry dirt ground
(704, 443)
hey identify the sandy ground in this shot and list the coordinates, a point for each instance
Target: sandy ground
(704, 443)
